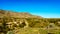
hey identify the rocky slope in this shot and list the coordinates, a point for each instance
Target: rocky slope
(10, 21)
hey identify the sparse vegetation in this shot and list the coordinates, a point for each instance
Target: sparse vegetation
(36, 25)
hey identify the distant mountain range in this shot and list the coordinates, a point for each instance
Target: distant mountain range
(17, 14)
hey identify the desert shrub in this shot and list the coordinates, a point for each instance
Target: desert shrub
(50, 33)
(22, 24)
(10, 32)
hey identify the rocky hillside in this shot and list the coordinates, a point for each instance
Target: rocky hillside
(10, 21)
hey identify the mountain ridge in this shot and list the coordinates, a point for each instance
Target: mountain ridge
(18, 14)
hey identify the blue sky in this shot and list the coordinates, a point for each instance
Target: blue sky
(44, 8)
